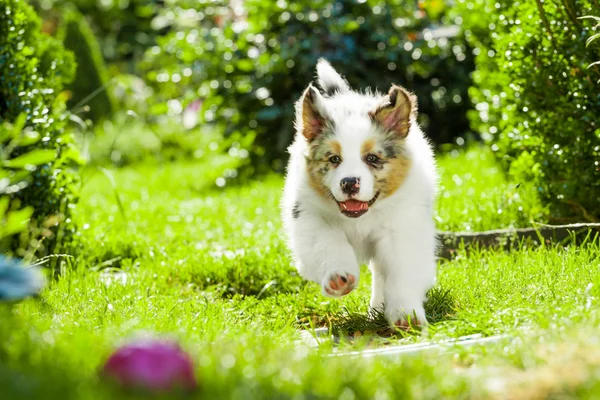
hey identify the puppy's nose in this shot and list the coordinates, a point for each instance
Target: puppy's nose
(350, 185)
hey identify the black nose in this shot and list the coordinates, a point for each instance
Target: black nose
(350, 185)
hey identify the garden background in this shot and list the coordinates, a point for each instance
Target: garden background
(142, 150)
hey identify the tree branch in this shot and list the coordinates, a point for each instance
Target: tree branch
(571, 12)
(540, 7)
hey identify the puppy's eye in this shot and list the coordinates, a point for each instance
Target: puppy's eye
(372, 159)
(335, 159)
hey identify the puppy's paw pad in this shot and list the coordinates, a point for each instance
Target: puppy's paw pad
(407, 322)
(408, 325)
(402, 324)
(339, 284)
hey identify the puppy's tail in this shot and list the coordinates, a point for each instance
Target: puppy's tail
(330, 81)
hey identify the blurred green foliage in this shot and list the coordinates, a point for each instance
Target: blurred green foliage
(105, 144)
(237, 67)
(88, 91)
(36, 150)
(596, 36)
(537, 102)
(107, 39)
(124, 29)
(249, 64)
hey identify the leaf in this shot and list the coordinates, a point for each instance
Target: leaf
(16, 221)
(76, 119)
(4, 202)
(17, 176)
(11, 131)
(158, 109)
(245, 65)
(35, 157)
(351, 26)
(592, 38)
(594, 63)
(590, 17)
(28, 137)
(64, 96)
(71, 155)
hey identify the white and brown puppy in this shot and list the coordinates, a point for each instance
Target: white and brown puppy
(360, 188)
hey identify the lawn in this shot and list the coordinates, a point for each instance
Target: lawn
(167, 252)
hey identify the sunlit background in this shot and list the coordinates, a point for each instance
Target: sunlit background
(142, 151)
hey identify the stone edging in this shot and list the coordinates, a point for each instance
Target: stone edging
(450, 242)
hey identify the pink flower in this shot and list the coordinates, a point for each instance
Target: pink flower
(158, 366)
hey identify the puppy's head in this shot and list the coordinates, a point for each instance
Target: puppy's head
(355, 142)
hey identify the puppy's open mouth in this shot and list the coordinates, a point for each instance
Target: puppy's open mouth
(356, 208)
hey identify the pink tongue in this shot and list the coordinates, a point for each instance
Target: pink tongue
(354, 205)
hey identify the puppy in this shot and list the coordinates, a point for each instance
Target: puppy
(360, 188)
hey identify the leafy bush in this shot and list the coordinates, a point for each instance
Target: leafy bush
(36, 149)
(146, 142)
(89, 89)
(124, 28)
(12, 219)
(249, 65)
(537, 101)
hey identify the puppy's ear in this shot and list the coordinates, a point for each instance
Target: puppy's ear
(329, 80)
(311, 115)
(396, 112)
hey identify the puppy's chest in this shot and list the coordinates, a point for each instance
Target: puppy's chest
(363, 240)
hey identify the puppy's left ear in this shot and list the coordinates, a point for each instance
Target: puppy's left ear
(395, 114)
(311, 115)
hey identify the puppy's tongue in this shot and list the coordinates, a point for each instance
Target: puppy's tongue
(354, 205)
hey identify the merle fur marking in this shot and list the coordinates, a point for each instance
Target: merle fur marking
(331, 90)
(324, 169)
(390, 150)
(378, 165)
(296, 210)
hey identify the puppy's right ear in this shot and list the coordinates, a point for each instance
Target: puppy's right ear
(329, 80)
(311, 115)
(396, 113)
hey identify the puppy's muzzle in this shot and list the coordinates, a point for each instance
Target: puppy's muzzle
(350, 186)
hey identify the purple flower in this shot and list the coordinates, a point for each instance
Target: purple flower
(158, 366)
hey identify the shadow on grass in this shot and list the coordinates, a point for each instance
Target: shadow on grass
(441, 305)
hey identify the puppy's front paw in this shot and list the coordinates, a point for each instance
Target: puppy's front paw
(406, 319)
(339, 284)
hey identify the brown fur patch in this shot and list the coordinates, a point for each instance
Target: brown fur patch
(391, 165)
(318, 164)
(336, 147)
(367, 147)
(313, 122)
(390, 178)
(319, 187)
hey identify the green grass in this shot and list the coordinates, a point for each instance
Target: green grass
(168, 252)
(474, 195)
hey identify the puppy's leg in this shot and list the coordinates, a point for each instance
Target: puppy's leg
(407, 259)
(377, 287)
(323, 255)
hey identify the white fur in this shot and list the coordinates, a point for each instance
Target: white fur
(396, 236)
(329, 79)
